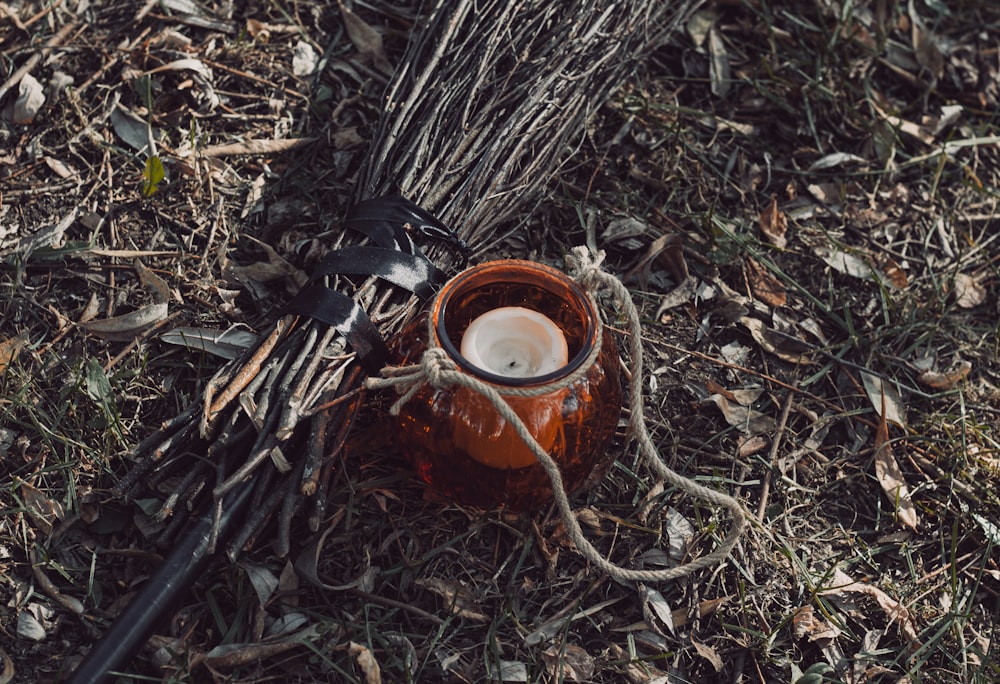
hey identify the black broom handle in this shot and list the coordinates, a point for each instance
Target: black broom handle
(133, 626)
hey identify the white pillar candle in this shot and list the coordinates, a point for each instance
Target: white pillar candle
(515, 342)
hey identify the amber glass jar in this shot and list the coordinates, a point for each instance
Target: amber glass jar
(454, 437)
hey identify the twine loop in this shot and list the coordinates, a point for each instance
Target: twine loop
(440, 371)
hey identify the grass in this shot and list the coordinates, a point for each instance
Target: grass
(432, 592)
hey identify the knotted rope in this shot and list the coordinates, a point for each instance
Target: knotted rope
(438, 370)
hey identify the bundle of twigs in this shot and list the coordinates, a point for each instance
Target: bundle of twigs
(490, 99)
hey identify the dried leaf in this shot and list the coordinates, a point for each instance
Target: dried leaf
(457, 597)
(841, 584)
(891, 272)
(836, 159)
(945, 381)
(227, 344)
(843, 262)
(805, 624)
(680, 531)
(890, 477)
(510, 671)
(10, 348)
(774, 224)
(256, 147)
(781, 345)
(681, 294)
(568, 663)
(885, 399)
(743, 418)
(708, 653)
(367, 663)
(968, 292)
(30, 98)
(264, 581)
(45, 512)
(367, 40)
(764, 285)
(133, 131)
(719, 75)
(29, 627)
(127, 326)
(9, 671)
(304, 59)
(925, 47)
(60, 168)
(654, 601)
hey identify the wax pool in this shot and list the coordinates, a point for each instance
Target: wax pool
(515, 342)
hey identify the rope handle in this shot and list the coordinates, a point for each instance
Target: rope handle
(437, 369)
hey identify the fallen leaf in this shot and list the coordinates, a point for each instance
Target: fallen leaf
(680, 531)
(774, 224)
(367, 40)
(718, 65)
(44, 511)
(304, 59)
(9, 671)
(457, 597)
(764, 285)
(836, 159)
(568, 663)
(653, 600)
(263, 581)
(841, 584)
(708, 653)
(890, 477)
(367, 663)
(805, 624)
(743, 418)
(925, 47)
(783, 346)
(844, 262)
(510, 671)
(968, 292)
(30, 98)
(133, 131)
(947, 380)
(263, 147)
(893, 274)
(681, 294)
(10, 348)
(60, 168)
(29, 627)
(227, 344)
(885, 398)
(128, 326)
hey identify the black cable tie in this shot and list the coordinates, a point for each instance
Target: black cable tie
(408, 271)
(346, 315)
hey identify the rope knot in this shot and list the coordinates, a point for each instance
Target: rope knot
(436, 365)
(585, 267)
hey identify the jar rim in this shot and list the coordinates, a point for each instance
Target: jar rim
(494, 271)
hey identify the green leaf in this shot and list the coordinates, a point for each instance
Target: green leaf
(152, 176)
(98, 385)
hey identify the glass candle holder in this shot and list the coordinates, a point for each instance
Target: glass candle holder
(511, 324)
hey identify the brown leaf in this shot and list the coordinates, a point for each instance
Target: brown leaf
(806, 624)
(367, 663)
(945, 381)
(7, 675)
(842, 584)
(708, 653)
(458, 597)
(891, 271)
(367, 40)
(774, 224)
(568, 663)
(10, 348)
(127, 326)
(743, 418)
(41, 509)
(889, 475)
(764, 285)
(968, 292)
